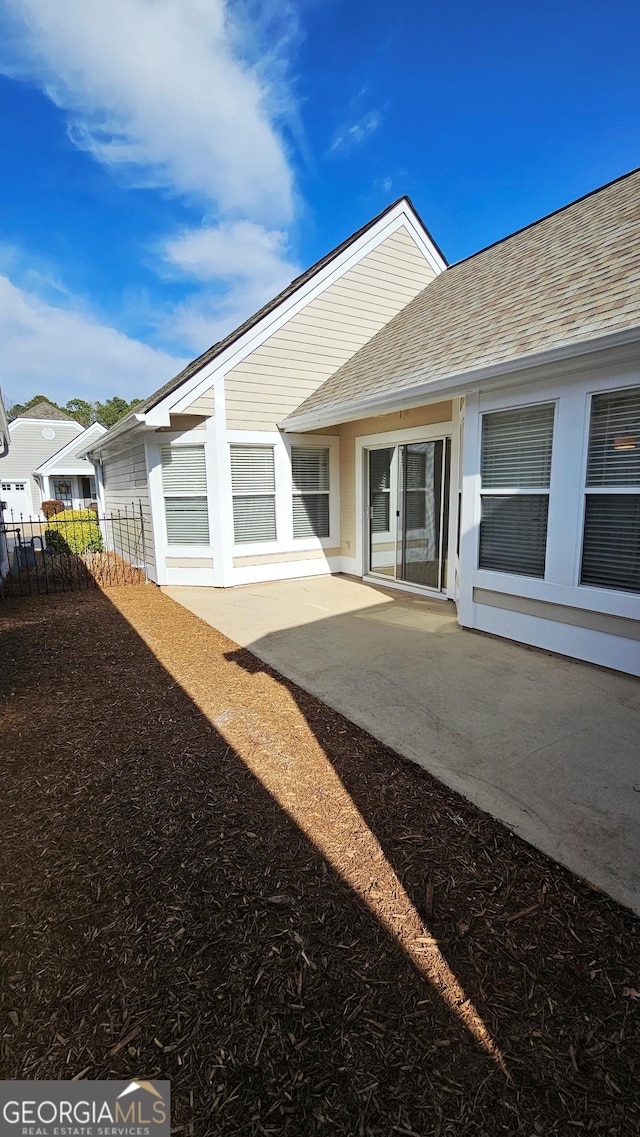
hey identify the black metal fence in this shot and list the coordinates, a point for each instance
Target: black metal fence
(75, 550)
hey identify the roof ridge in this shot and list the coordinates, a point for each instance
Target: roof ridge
(547, 216)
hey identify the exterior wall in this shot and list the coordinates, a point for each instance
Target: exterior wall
(124, 480)
(29, 450)
(204, 405)
(276, 378)
(349, 432)
(557, 613)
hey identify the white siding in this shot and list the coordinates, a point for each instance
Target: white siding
(29, 450)
(125, 482)
(272, 381)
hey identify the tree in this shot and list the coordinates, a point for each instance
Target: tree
(107, 413)
(115, 408)
(82, 411)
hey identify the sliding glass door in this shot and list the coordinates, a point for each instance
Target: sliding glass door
(408, 512)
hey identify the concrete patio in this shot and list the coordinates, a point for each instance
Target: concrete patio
(548, 745)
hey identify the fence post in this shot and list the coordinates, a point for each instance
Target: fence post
(144, 543)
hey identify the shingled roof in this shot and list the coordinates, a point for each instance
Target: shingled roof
(43, 409)
(570, 277)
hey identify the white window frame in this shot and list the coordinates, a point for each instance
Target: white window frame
(254, 493)
(587, 490)
(517, 491)
(571, 388)
(171, 546)
(296, 493)
(163, 549)
(282, 443)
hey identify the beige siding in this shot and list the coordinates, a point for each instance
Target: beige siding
(183, 422)
(125, 484)
(29, 450)
(271, 382)
(204, 405)
(561, 613)
(278, 558)
(348, 432)
(189, 562)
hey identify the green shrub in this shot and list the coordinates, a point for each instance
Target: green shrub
(74, 531)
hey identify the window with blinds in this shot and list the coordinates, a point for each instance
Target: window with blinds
(310, 480)
(184, 485)
(253, 484)
(516, 470)
(611, 539)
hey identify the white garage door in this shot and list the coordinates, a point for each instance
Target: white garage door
(17, 496)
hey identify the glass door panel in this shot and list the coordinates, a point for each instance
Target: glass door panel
(408, 512)
(382, 541)
(419, 522)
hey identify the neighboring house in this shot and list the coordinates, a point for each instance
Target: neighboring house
(68, 476)
(468, 432)
(35, 436)
(5, 440)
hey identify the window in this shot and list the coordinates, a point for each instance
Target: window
(6, 486)
(253, 484)
(310, 476)
(19, 486)
(184, 484)
(516, 468)
(611, 543)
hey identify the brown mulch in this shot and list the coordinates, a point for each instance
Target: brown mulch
(208, 875)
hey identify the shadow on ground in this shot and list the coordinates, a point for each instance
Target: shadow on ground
(209, 876)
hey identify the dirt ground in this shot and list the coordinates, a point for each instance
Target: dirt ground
(209, 876)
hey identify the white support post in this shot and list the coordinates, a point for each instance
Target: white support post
(470, 510)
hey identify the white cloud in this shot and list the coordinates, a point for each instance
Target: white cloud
(351, 136)
(242, 265)
(170, 90)
(235, 250)
(65, 352)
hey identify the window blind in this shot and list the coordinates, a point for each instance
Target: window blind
(380, 490)
(311, 515)
(310, 476)
(183, 469)
(184, 483)
(513, 533)
(187, 520)
(252, 469)
(611, 547)
(614, 439)
(253, 485)
(310, 468)
(516, 448)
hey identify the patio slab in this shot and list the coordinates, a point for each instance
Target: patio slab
(548, 745)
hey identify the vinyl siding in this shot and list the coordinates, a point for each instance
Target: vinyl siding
(275, 378)
(560, 613)
(189, 562)
(125, 483)
(204, 405)
(29, 450)
(348, 432)
(280, 558)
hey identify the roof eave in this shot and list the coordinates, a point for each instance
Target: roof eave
(428, 391)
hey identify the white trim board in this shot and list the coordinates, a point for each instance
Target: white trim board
(401, 216)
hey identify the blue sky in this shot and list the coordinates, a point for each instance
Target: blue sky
(168, 165)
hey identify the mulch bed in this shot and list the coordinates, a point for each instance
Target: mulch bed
(208, 875)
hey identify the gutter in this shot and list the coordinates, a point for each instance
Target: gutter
(429, 390)
(131, 421)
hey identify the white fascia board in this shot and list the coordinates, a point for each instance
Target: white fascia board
(51, 463)
(136, 423)
(401, 216)
(46, 422)
(422, 393)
